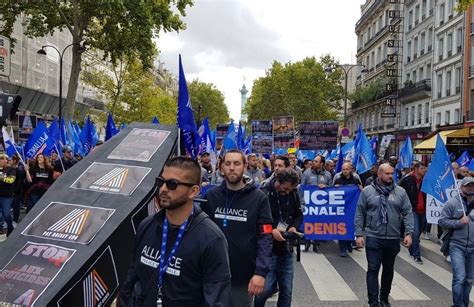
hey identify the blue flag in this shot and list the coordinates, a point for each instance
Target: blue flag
(185, 117)
(202, 137)
(87, 137)
(229, 141)
(155, 120)
(405, 159)
(464, 159)
(55, 134)
(356, 144)
(110, 129)
(373, 144)
(76, 142)
(440, 175)
(10, 148)
(38, 142)
(247, 149)
(348, 151)
(471, 165)
(340, 160)
(364, 154)
(62, 133)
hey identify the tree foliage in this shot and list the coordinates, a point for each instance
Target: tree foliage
(119, 28)
(463, 5)
(302, 89)
(131, 93)
(211, 101)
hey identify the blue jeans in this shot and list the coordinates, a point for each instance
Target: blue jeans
(420, 222)
(281, 272)
(380, 252)
(462, 264)
(34, 197)
(6, 205)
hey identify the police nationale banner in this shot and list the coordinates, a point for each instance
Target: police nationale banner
(329, 212)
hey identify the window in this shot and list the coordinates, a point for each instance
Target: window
(407, 78)
(406, 116)
(427, 112)
(438, 118)
(430, 36)
(410, 19)
(449, 43)
(428, 71)
(380, 22)
(420, 74)
(440, 48)
(419, 114)
(457, 80)
(412, 115)
(409, 48)
(441, 14)
(447, 117)
(414, 76)
(422, 41)
(450, 7)
(367, 61)
(459, 40)
(448, 83)
(379, 55)
(417, 13)
(415, 45)
(456, 116)
(439, 85)
(423, 7)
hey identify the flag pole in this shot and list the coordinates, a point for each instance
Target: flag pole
(179, 141)
(60, 158)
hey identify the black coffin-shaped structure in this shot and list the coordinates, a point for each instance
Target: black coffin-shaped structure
(75, 245)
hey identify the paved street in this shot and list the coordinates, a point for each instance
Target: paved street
(329, 280)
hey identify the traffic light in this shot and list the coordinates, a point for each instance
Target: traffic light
(8, 106)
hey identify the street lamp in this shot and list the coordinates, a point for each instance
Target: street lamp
(80, 49)
(346, 68)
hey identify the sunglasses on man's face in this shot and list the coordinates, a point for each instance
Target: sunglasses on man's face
(172, 184)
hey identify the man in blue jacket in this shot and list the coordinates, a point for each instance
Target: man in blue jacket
(458, 217)
(243, 214)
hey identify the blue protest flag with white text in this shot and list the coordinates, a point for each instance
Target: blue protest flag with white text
(440, 175)
(340, 160)
(405, 159)
(464, 159)
(185, 117)
(87, 137)
(38, 142)
(348, 151)
(365, 155)
(75, 139)
(10, 149)
(229, 141)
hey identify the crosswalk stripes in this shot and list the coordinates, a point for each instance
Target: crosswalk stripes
(326, 281)
(329, 280)
(402, 289)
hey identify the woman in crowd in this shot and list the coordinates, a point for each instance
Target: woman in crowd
(40, 175)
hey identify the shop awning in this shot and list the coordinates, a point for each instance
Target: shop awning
(461, 137)
(427, 146)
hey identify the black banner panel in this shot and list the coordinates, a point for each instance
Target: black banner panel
(84, 226)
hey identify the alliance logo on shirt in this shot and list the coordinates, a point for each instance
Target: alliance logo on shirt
(151, 257)
(239, 215)
(69, 227)
(113, 181)
(96, 291)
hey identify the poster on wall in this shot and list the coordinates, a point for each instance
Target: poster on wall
(318, 135)
(29, 273)
(262, 137)
(26, 126)
(283, 132)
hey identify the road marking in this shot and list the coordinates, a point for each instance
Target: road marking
(434, 271)
(402, 289)
(327, 282)
(430, 245)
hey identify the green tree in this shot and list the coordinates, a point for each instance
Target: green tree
(463, 5)
(211, 101)
(131, 92)
(301, 89)
(119, 28)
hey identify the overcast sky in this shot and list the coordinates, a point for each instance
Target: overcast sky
(232, 42)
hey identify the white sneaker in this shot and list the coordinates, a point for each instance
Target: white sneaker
(15, 224)
(448, 259)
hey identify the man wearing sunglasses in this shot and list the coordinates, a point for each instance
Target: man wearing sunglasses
(180, 256)
(243, 213)
(66, 162)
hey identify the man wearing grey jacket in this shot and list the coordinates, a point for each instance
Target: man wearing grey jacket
(380, 210)
(458, 216)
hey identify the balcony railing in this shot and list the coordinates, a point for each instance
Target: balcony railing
(439, 94)
(448, 92)
(415, 56)
(450, 53)
(430, 47)
(471, 71)
(472, 28)
(440, 57)
(422, 51)
(408, 59)
(431, 11)
(423, 17)
(421, 87)
(459, 49)
(416, 22)
(458, 89)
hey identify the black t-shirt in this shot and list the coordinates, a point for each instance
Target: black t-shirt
(246, 210)
(7, 181)
(43, 175)
(201, 258)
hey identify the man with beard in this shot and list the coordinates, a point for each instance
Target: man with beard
(243, 213)
(180, 256)
(253, 172)
(458, 218)
(287, 217)
(206, 167)
(381, 207)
